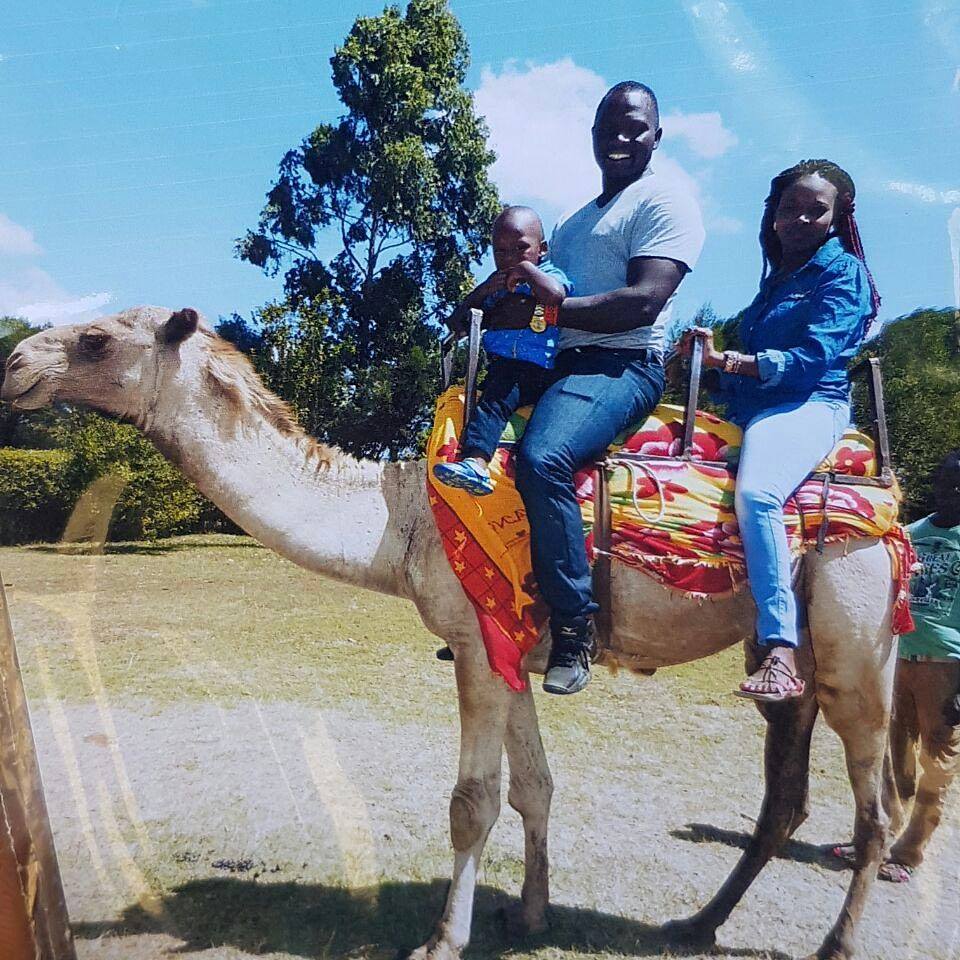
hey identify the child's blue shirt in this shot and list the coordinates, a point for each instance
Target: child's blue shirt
(526, 344)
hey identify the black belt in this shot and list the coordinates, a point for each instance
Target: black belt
(644, 355)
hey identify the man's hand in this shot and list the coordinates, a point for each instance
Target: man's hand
(496, 281)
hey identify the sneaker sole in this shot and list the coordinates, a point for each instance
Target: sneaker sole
(461, 483)
(564, 691)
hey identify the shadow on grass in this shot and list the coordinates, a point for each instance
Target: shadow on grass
(138, 547)
(796, 850)
(311, 920)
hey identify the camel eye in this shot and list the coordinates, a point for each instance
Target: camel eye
(93, 343)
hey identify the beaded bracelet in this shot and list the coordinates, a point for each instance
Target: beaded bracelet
(732, 361)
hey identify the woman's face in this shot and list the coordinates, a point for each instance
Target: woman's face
(805, 214)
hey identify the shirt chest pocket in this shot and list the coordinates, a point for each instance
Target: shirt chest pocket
(786, 320)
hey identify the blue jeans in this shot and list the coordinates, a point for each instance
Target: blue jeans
(595, 395)
(781, 446)
(509, 384)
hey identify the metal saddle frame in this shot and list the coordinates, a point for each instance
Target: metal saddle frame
(868, 368)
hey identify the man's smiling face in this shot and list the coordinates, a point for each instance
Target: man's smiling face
(626, 131)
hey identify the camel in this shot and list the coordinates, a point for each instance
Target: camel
(369, 524)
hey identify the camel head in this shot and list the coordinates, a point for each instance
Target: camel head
(116, 364)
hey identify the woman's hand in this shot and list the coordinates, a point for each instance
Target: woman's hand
(711, 356)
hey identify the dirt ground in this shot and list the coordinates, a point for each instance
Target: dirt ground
(242, 760)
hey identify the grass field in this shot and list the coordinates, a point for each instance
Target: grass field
(243, 760)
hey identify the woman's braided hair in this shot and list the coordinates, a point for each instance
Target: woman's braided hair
(844, 224)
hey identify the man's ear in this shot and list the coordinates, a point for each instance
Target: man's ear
(181, 325)
(656, 138)
(544, 248)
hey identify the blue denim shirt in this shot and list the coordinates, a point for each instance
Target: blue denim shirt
(527, 344)
(804, 329)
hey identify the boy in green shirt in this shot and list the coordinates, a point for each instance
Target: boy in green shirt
(926, 697)
(926, 706)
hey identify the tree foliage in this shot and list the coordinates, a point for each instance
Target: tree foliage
(37, 428)
(401, 182)
(919, 356)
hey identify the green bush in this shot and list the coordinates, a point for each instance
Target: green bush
(35, 495)
(156, 499)
(40, 488)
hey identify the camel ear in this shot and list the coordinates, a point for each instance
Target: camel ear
(181, 325)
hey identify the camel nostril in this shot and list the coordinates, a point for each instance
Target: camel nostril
(15, 361)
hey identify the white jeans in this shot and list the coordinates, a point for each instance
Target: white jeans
(781, 446)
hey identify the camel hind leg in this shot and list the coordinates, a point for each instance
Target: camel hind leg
(850, 608)
(785, 807)
(859, 713)
(485, 702)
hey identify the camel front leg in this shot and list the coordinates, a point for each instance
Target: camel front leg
(531, 789)
(785, 807)
(475, 803)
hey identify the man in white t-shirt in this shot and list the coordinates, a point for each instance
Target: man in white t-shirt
(626, 252)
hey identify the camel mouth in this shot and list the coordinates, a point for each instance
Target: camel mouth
(25, 398)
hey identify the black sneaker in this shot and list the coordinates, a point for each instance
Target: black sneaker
(568, 669)
(445, 654)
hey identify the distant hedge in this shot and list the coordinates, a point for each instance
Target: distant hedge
(35, 494)
(39, 488)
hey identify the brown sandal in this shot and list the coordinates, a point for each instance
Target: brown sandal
(894, 872)
(782, 682)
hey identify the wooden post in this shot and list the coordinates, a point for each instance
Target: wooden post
(33, 912)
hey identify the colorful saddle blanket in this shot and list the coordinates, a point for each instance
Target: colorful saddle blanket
(673, 519)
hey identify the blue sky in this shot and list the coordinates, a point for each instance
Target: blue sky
(139, 136)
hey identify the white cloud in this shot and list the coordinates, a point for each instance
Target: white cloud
(920, 191)
(34, 295)
(539, 118)
(956, 82)
(725, 225)
(15, 240)
(704, 133)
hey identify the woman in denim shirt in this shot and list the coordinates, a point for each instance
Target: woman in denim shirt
(789, 390)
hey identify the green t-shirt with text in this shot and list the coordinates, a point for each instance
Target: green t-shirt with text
(933, 592)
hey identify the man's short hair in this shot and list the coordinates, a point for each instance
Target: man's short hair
(629, 86)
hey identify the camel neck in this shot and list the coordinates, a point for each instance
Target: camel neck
(335, 518)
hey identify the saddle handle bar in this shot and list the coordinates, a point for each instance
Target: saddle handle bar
(447, 346)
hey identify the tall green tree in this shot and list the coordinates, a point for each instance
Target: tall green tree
(400, 182)
(920, 359)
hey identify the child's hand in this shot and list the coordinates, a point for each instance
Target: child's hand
(546, 289)
(523, 272)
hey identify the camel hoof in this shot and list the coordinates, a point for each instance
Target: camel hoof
(689, 934)
(517, 923)
(439, 950)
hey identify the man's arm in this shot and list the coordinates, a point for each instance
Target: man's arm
(650, 283)
(459, 320)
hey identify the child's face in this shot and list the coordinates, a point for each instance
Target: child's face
(514, 242)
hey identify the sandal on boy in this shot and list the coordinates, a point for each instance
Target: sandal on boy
(780, 682)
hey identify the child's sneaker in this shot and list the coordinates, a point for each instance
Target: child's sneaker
(465, 475)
